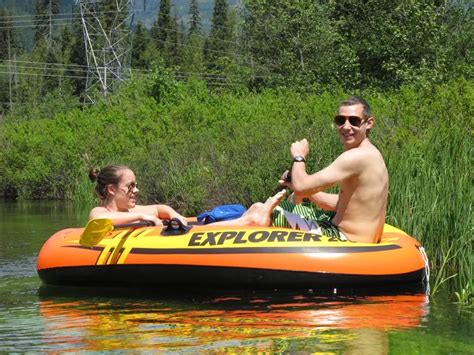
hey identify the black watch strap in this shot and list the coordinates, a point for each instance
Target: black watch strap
(298, 159)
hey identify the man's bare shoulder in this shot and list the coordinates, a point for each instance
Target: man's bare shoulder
(361, 156)
(366, 148)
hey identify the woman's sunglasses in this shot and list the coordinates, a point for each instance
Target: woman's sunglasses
(355, 121)
(130, 188)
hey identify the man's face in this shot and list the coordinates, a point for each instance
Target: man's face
(350, 135)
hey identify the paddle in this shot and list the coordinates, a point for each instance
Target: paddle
(286, 178)
(96, 229)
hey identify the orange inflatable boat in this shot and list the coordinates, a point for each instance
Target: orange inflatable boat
(207, 256)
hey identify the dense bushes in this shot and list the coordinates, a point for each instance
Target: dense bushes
(193, 149)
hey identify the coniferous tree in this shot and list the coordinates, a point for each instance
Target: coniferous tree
(161, 29)
(192, 57)
(45, 76)
(181, 41)
(9, 41)
(45, 11)
(9, 48)
(164, 33)
(140, 41)
(172, 47)
(71, 42)
(192, 50)
(195, 18)
(217, 45)
(53, 78)
(111, 13)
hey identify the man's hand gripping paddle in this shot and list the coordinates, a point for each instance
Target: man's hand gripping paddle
(287, 178)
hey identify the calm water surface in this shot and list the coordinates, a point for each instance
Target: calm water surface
(35, 318)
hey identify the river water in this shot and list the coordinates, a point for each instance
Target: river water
(37, 318)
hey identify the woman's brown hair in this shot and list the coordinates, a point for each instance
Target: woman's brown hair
(109, 175)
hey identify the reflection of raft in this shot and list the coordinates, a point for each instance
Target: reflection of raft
(76, 321)
(230, 257)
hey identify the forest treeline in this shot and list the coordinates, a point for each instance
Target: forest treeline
(304, 45)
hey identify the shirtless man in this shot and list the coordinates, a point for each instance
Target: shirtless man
(360, 171)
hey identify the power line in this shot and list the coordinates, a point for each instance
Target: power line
(73, 16)
(215, 78)
(67, 13)
(80, 67)
(63, 21)
(43, 74)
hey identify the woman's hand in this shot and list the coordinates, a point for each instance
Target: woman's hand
(149, 217)
(180, 217)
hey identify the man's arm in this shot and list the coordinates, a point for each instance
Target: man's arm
(348, 164)
(118, 217)
(325, 200)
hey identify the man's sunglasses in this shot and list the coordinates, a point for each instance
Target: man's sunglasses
(355, 121)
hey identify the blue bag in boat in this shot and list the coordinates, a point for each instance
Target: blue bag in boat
(221, 213)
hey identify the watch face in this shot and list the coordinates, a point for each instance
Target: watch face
(298, 158)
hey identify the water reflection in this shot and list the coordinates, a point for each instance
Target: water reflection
(251, 321)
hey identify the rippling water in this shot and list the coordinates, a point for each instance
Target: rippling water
(36, 318)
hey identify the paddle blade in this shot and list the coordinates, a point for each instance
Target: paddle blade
(95, 231)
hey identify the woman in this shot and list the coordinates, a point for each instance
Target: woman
(117, 189)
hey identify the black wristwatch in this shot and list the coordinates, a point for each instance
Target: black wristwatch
(299, 159)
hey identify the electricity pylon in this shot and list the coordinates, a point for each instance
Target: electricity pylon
(107, 43)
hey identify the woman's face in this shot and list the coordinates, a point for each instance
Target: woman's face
(126, 191)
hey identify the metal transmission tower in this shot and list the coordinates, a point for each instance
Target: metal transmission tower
(107, 42)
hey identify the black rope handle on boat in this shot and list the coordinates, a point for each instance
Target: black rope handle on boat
(144, 223)
(174, 227)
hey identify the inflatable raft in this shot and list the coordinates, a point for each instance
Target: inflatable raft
(209, 256)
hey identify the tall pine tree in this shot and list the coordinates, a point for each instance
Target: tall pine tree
(140, 41)
(9, 48)
(218, 41)
(71, 42)
(192, 52)
(9, 42)
(164, 33)
(163, 25)
(45, 12)
(194, 18)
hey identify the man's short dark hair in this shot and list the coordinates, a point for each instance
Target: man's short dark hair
(357, 100)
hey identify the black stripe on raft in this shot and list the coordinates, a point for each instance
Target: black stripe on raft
(82, 247)
(267, 250)
(182, 276)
